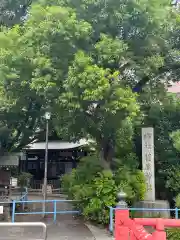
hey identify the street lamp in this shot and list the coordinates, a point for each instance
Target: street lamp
(47, 117)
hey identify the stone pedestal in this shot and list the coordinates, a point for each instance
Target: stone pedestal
(6, 216)
(158, 204)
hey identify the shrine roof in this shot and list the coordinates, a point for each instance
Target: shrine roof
(8, 160)
(56, 145)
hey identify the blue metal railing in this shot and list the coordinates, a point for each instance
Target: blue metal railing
(54, 212)
(24, 197)
(21, 198)
(112, 211)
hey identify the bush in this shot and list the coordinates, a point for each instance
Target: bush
(96, 189)
(173, 233)
(88, 168)
(132, 182)
(96, 196)
(173, 179)
(24, 179)
(177, 201)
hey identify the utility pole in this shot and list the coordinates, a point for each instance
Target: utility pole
(47, 116)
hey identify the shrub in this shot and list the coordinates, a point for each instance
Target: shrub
(177, 201)
(88, 168)
(67, 182)
(173, 233)
(96, 189)
(132, 182)
(24, 179)
(173, 179)
(95, 197)
(103, 195)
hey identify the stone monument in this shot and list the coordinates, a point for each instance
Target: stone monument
(148, 169)
(148, 162)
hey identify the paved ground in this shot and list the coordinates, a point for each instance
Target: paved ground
(67, 227)
(59, 231)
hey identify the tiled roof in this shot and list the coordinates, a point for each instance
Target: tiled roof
(57, 145)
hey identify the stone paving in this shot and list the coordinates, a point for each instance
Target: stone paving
(67, 226)
(59, 231)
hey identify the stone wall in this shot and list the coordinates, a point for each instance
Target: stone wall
(158, 204)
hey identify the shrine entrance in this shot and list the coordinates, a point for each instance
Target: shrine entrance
(62, 158)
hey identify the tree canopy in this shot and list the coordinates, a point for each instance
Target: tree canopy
(145, 27)
(13, 11)
(98, 66)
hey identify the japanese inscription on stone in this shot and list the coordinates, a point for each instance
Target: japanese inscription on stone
(148, 162)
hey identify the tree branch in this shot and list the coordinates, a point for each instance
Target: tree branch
(162, 70)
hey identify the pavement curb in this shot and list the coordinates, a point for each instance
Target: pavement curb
(99, 234)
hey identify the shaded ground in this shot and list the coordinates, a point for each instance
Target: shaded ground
(67, 226)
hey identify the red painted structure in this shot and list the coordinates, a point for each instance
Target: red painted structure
(133, 229)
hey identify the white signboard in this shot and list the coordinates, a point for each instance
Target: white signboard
(14, 182)
(49, 189)
(148, 162)
(1, 209)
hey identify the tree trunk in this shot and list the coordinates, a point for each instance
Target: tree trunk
(107, 153)
(103, 162)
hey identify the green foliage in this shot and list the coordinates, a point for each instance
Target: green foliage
(173, 179)
(81, 58)
(162, 112)
(87, 169)
(13, 11)
(24, 179)
(131, 181)
(177, 201)
(97, 197)
(97, 95)
(173, 233)
(32, 70)
(176, 139)
(134, 34)
(96, 189)
(124, 146)
(84, 60)
(82, 63)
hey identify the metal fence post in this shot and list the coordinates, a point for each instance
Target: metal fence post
(55, 210)
(111, 220)
(13, 210)
(176, 213)
(26, 195)
(23, 203)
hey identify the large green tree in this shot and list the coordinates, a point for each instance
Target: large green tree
(145, 27)
(85, 60)
(41, 63)
(133, 37)
(96, 103)
(31, 74)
